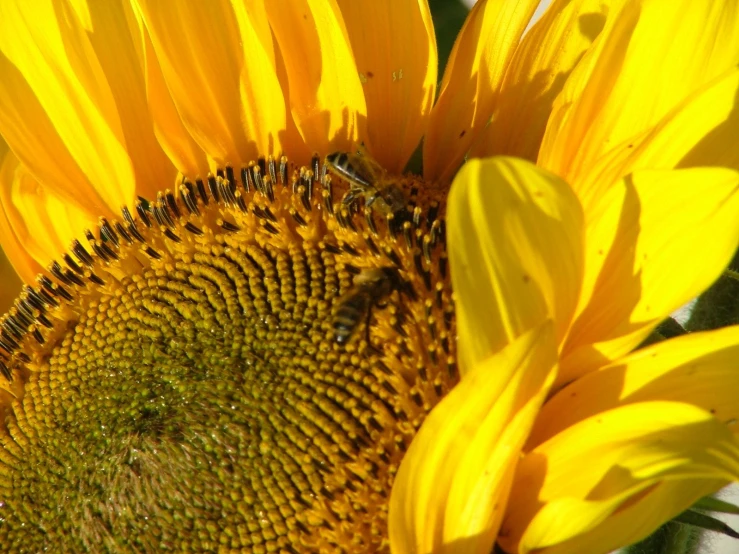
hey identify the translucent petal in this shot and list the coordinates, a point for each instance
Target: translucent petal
(638, 518)
(515, 249)
(70, 97)
(653, 57)
(116, 48)
(541, 64)
(220, 71)
(169, 128)
(395, 49)
(325, 92)
(570, 487)
(647, 255)
(698, 369)
(452, 486)
(31, 135)
(701, 131)
(473, 77)
(26, 207)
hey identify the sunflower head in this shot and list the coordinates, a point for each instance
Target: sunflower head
(245, 363)
(240, 332)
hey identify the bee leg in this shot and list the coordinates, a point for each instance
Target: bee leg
(349, 199)
(367, 332)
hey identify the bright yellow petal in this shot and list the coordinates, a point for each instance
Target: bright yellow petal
(473, 76)
(24, 264)
(36, 225)
(220, 70)
(569, 487)
(635, 519)
(452, 486)
(31, 134)
(53, 89)
(702, 131)
(654, 57)
(541, 64)
(515, 248)
(107, 27)
(698, 369)
(395, 49)
(170, 130)
(655, 240)
(326, 96)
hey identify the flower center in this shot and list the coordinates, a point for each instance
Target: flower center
(242, 366)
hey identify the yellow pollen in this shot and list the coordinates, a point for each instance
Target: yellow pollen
(237, 365)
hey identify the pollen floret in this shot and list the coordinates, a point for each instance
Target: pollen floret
(177, 383)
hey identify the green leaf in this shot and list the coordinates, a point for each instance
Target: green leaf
(704, 521)
(712, 504)
(719, 305)
(668, 329)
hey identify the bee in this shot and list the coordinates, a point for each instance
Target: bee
(371, 288)
(367, 180)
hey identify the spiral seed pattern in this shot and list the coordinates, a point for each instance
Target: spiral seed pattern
(176, 386)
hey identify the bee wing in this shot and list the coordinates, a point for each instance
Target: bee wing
(372, 166)
(350, 167)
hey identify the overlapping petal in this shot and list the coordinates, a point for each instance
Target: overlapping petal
(325, 91)
(239, 110)
(698, 369)
(395, 52)
(57, 112)
(542, 62)
(54, 48)
(29, 206)
(169, 128)
(642, 262)
(699, 132)
(645, 63)
(515, 236)
(473, 77)
(565, 505)
(453, 483)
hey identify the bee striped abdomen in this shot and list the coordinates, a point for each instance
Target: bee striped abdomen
(353, 309)
(349, 168)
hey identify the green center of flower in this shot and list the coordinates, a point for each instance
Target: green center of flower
(240, 367)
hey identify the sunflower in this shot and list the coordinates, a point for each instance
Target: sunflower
(252, 350)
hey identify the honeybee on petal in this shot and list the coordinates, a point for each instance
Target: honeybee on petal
(371, 288)
(368, 180)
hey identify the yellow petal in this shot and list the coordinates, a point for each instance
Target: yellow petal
(568, 488)
(655, 240)
(452, 486)
(395, 50)
(107, 27)
(57, 110)
(473, 76)
(635, 519)
(698, 369)
(36, 225)
(541, 64)
(169, 128)
(515, 248)
(22, 262)
(653, 57)
(701, 131)
(326, 96)
(229, 100)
